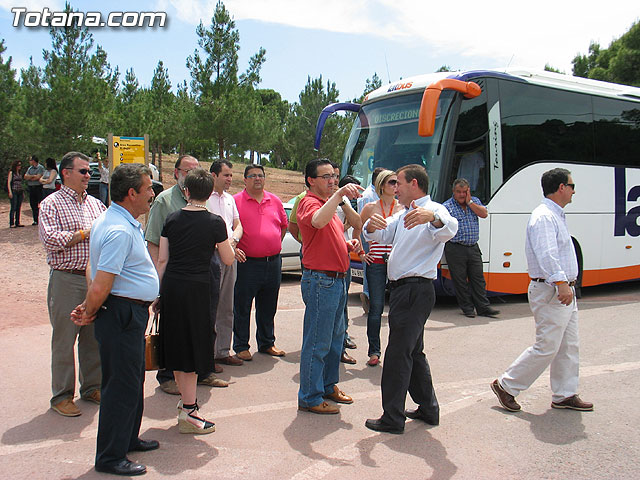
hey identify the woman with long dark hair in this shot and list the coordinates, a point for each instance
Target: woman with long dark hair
(48, 180)
(16, 193)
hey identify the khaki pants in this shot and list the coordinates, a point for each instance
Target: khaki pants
(65, 292)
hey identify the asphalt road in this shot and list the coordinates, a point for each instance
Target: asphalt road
(261, 434)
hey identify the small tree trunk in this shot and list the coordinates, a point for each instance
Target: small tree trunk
(159, 165)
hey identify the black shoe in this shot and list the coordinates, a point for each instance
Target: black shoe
(377, 425)
(469, 314)
(418, 414)
(489, 312)
(145, 445)
(348, 343)
(125, 467)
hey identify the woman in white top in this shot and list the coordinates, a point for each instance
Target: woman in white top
(48, 179)
(376, 259)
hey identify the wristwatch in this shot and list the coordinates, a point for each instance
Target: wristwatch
(235, 239)
(470, 202)
(436, 218)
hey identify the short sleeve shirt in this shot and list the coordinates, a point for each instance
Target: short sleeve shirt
(262, 224)
(167, 202)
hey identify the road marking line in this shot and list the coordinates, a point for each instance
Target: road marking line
(471, 390)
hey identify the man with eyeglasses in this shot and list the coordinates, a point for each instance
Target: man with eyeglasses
(64, 226)
(463, 253)
(553, 268)
(264, 224)
(325, 256)
(169, 201)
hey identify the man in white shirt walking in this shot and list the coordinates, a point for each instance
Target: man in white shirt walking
(418, 235)
(553, 269)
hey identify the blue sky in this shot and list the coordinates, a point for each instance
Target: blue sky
(345, 40)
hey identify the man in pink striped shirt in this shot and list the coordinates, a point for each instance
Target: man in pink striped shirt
(65, 223)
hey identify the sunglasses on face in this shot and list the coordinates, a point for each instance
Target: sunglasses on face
(255, 175)
(81, 171)
(392, 182)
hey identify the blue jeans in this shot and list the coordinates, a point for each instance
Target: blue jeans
(377, 277)
(347, 282)
(322, 336)
(104, 193)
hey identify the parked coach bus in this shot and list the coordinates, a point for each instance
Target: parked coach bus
(501, 130)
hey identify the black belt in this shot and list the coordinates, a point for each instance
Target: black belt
(397, 283)
(72, 271)
(265, 259)
(330, 273)
(462, 244)
(571, 284)
(133, 300)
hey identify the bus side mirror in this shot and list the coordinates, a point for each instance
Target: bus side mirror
(429, 105)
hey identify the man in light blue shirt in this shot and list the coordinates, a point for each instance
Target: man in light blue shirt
(124, 283)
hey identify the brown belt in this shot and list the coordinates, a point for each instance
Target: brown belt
(571, 284)
(133, 300)
(72, 271)
(330, 273)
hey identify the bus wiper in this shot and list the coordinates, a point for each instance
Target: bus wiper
(444, 122)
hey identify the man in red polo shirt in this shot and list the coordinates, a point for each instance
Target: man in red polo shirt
(264, 224)
(325, 257)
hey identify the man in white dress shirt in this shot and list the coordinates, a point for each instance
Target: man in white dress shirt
(418, 235)
(222, 203)
(553, 269)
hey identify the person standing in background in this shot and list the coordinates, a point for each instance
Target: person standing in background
(48, 180)
(32, 176)
(103, 166)
(16, 193)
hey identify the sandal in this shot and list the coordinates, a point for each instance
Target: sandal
(190, 422)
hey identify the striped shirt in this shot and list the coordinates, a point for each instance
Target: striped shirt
(61, 215)
(549, 248)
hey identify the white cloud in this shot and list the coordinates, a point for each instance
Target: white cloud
(33, 5)
(529, 34)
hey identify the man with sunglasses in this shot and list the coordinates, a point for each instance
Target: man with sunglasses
(553, 268)
(264, 223)
(169, 201)
(64, 226)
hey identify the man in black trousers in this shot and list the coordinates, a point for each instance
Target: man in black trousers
(418, 235)
(124, 282)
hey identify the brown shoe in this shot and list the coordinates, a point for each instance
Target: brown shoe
(323, 409)
(346, 358)
(507, 401)
(373, 360)
(213, 381)
(170, 387)
(94, 397)
(234, 361)
(217, 368)
(244, 355)
(574, 403)
(339, 396)
(66, 408)
(273, 351)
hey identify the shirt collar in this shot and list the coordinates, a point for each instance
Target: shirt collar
(553, 206)
(73, 194)
(125, 213)
(422, 201)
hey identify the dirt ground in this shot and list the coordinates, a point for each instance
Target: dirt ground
(24, 272)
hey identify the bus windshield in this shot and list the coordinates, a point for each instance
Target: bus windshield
(385, 134)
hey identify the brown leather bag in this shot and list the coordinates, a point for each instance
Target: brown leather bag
(152, 346)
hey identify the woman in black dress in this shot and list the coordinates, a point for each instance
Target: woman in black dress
(188, 240)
